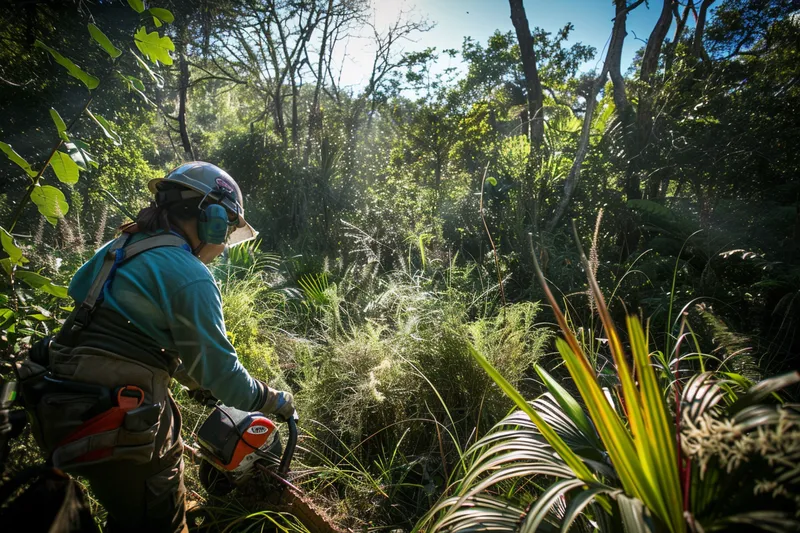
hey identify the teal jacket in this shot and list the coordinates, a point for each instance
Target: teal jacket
(171, 296)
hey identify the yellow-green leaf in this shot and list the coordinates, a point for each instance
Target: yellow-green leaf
(658, 445)
(164, 15)
(74, 70)
(16, 158)
(104, 41)
(65, 168)
(154, 46)
(10, 247)
(51, 202)
(157, 78)
(136, 85)
(137, 5)
(37, 281)
(60, 124)
(6, 316)
(78, 152)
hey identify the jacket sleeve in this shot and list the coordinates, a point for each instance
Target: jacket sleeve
(198, 330)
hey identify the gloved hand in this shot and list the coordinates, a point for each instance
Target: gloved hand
(202, 396)
(278, 403)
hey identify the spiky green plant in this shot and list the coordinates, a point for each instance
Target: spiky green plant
(635, 462)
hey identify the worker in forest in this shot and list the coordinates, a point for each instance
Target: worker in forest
(147, 309)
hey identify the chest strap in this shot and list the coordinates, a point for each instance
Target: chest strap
(117, 254)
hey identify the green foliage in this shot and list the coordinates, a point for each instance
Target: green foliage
(13, 251)
(161, 16)
(512, 478)
(15, 157)
(154, 46)
(60, 125)
(65, 168)
(382, 279)
(73, 70)
(51, 202)
(98, 35)
(136, 5)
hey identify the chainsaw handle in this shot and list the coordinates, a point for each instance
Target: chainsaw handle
(291, 444)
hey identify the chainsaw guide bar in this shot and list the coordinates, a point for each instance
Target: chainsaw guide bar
(304, 509)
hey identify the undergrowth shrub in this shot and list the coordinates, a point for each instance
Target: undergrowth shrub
(391, 395)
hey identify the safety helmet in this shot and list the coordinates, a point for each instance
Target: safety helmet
(204, 180)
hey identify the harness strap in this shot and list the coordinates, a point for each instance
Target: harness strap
(117, 254)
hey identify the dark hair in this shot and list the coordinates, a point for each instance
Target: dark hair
(163, 217)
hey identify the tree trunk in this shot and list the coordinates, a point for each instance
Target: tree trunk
(533, 85)
(183, 88)
(645, 119)
(680, 27)
(625, 112)
(314, 117)
(612, 61)
(697, 43)
(295, 117)
(280, 123)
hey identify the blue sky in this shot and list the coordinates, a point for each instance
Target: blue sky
(456, 19)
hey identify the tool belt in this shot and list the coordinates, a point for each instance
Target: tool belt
(78, 424)
(99, 391)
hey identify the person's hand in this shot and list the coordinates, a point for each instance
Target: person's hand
(202, 396)
(278, 403)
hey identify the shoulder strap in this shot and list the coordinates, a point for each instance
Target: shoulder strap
(117, 254)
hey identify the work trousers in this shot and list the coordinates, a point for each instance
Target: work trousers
(142, 498)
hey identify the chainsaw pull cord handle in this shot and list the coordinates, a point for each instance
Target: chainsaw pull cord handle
(291, 444)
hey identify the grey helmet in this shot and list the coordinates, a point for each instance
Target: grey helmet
(205, 179)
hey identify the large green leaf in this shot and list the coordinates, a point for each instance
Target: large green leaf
(161, 15)
(10, 247)
(65, 168)
(106, 126)
(74, 70)
(61, 126)
(154, 46)
(104, 41)
(51, 202)
(137, 5)
(657, 446)
(16, 158)
(37, 281)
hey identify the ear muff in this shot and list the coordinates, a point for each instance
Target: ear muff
(212, 225)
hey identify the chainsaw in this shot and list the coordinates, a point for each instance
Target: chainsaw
(233, 446)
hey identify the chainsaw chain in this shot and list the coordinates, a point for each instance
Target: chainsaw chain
(309, 514)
